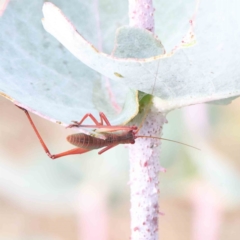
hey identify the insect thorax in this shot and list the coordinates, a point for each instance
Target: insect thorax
(120, 137)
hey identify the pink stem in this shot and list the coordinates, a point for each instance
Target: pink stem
(144, 173)
(141, 14)
(145, 153)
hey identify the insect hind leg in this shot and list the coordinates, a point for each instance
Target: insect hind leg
(52, 156)
(37, 133)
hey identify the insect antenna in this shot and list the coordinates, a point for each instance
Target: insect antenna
(168, 141)
(147, 108)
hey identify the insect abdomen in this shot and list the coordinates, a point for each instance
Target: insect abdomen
(82, 140)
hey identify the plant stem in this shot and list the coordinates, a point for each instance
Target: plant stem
(145, 153)
(144, 172)
(141, 14)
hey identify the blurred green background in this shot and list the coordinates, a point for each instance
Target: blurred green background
(87, 196)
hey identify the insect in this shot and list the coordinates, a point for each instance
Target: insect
(112, 136)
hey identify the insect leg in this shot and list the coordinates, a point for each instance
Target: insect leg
(103, 119)
(107, 148)
(100, 125)
(72, 151)
(37, 133)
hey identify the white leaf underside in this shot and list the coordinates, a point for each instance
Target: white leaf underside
(189, 76)
(42, 76)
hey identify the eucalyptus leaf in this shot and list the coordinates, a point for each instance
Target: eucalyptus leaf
(206, 72)
(38, 73)
(225, 101)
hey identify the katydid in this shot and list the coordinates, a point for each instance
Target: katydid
(112, 136)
